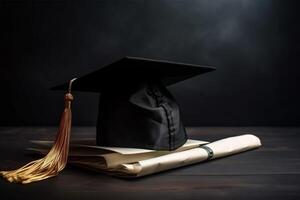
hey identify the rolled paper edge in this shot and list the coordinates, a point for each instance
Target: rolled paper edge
(256, 138)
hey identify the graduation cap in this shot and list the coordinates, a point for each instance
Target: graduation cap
(136, 110)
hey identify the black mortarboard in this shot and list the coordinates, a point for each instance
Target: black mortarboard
(135, 108)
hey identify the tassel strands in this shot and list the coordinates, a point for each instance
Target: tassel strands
(56, 160)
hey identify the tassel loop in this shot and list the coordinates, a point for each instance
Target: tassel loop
(68, 100)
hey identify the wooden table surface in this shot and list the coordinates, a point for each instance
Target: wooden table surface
(273, 171)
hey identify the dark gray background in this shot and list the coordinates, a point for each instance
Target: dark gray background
(252, 43)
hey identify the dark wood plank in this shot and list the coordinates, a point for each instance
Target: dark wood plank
(272, 171)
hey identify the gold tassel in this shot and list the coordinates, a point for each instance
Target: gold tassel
(56, 160)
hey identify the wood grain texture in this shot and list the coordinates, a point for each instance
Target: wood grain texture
(273, 171)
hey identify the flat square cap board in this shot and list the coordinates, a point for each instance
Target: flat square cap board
(135, 108)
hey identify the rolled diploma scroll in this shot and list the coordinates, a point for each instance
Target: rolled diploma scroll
(220, 148)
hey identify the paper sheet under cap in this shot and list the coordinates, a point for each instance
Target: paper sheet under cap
(146, 163)
(109, 157)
